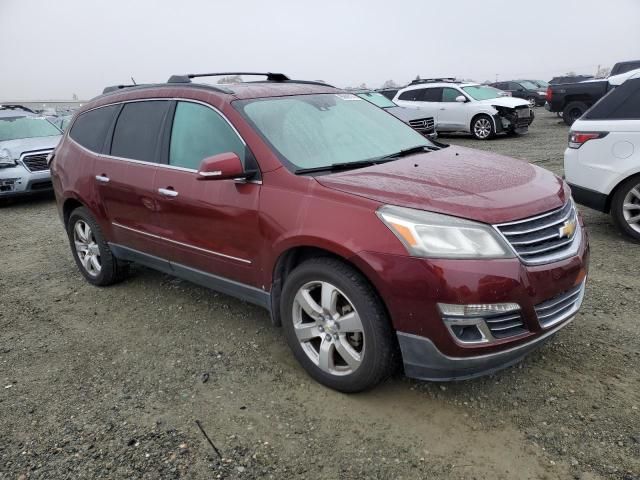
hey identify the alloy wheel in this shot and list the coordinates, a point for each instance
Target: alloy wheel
(482, 128)
(631, 208)
(86, 248)
(328, 328)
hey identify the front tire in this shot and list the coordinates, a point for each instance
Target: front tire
(91, 251)
(482, 127)
(625, 207)
(336, 326)
(573, 112)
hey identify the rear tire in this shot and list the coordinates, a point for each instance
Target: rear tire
(625, 207)
(91, 251)
(482, 127)
(337, 326)
(573, 111)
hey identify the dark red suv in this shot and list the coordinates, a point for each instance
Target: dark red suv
(367, 242)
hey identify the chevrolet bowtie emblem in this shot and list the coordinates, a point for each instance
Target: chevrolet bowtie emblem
(567, 230)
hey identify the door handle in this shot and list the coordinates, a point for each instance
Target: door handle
(168, 192)
(102, 178)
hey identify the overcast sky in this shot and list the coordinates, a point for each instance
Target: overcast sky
(53, 49)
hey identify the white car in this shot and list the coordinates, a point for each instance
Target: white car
(602, 161)
(478, 109)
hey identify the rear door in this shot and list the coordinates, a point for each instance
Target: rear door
(125, 176)
(210, 225)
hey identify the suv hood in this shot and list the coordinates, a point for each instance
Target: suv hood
(511, 102)
(22, 145)
(457, 181)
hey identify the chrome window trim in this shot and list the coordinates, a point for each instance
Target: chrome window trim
(212, 252)
(34, 152)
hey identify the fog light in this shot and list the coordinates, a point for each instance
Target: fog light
(467, 333)
(476, 310)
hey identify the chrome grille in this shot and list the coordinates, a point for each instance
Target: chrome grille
(561, 307)
(422, 124)
(544, 238)
(36, 162)
(505, 325)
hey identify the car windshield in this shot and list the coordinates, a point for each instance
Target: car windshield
(482, 92)
(14, 128)
(377, 99)
(542, 83)
(529, 85)
(315, 131)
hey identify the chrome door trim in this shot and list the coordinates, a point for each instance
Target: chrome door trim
(158, 237)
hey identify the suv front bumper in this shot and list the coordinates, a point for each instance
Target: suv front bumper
(17, 181)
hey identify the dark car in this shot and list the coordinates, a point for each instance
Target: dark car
(364, 240)
(388, 92)
(569, 79)
(524, 89)
(414, 117)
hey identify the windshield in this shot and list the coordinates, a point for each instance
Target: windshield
(529, 85)
(377, 99)
(482, 92)
(542, 83)
(313, 131)
(14, 128)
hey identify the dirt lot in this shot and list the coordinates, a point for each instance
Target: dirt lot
(109, 383)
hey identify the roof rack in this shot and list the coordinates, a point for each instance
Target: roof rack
(114, 88)
(434, 80)
(271, 77)
(16, 107)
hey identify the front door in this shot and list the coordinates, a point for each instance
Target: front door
(452, 115)
(211, 225)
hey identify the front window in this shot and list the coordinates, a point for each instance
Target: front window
(377, 99)
(482, 92)
(315, 131)
(14, 128)
(529, 85)
(542, 83)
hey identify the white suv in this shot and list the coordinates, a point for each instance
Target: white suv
(602, 162)
(478, 109)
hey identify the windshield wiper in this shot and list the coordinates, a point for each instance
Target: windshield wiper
(367, 163)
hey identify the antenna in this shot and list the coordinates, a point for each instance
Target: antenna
(133, 81)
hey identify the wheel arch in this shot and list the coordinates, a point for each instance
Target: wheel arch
(617, 186)
(293, 256)
(483, 114)
(68, 206)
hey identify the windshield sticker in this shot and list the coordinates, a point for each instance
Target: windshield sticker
(348, 96)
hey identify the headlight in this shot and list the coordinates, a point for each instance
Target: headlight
(6, 160)
(433, 235)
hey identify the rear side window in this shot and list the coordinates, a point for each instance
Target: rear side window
(90, 129)
(199, 132)
(622, 103)
(414, 95)
(137, 132)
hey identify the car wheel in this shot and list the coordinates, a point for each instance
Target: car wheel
(91, 251)
(482, 127)
(573, 112)
(532, 102)
(336, 326)
(625, 207)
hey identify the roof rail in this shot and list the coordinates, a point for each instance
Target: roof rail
(434, 80)
(114, 88)
(271, 77)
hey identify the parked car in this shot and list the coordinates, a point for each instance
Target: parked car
(62, 121)
(573, 99)
(569, 79)
(365, 240)
(25, 141)
(602, 161)
(624, 67)
(413, 117)
(467, 107)
(525, 89)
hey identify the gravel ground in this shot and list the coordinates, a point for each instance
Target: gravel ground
(112, 382)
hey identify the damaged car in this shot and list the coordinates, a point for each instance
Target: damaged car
(26, 140)
(480, 110)
(415, 118)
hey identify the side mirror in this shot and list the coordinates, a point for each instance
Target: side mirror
(461, 99)
(221, 167)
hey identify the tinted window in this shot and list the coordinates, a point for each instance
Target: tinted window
(412, 95)
(622, 103)
(199, 132)
(450, 94)
(137, 131)
(432, 95)
(90, 129)
(514, 86)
